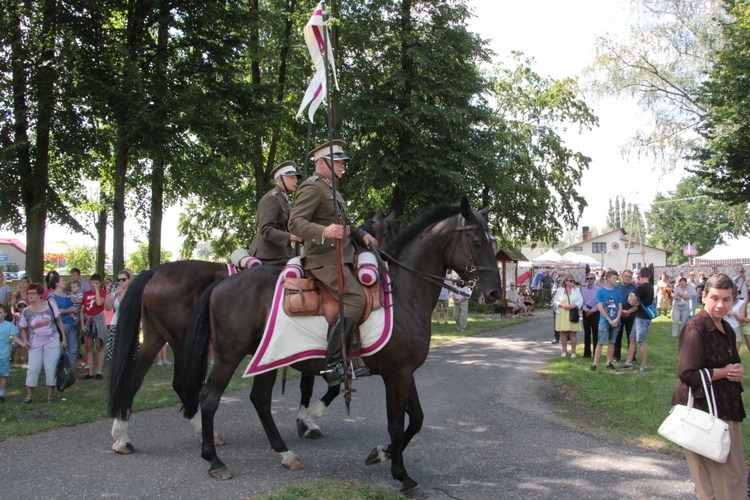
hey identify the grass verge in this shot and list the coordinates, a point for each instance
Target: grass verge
(626, 405)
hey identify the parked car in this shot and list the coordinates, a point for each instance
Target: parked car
(11, 276)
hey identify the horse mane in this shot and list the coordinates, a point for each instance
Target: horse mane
(426, 219)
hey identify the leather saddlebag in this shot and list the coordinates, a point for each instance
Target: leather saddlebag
(301, 297)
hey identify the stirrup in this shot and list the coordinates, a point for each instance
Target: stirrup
(333, 374)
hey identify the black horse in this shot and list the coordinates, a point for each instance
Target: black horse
(236, 309)
(161, 301)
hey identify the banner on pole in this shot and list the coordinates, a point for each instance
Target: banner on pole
(315, 39)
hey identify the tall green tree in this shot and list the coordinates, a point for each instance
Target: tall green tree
(528, 173)
(411, 103)
(622, 214)
(724, 159)
(38, 137)
(689, 215)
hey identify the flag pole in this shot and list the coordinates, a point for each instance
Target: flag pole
(336, 217)
(305, 159)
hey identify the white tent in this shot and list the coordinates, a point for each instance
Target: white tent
(550, 258)
(582, 260)
(732, 252)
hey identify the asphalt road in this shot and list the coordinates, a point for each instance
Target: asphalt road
(490, 431)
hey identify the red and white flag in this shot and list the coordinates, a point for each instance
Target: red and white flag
(315, 40)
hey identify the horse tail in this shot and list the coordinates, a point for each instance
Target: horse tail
(122, 367)
(196, 353)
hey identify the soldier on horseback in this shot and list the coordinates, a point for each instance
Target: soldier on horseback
(272, 242)
(312, 219)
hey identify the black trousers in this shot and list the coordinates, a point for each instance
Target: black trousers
(590, 332)
(626, 326)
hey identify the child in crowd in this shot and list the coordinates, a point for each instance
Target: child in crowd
(8, 332)
(77, 297)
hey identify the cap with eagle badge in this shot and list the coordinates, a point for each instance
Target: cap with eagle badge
(324, 151)
(287, 168)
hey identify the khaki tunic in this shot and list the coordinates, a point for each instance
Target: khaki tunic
(272, 244)
(312, 213)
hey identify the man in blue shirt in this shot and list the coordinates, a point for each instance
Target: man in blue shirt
(590, 315)
(625, 287)
(609, 303)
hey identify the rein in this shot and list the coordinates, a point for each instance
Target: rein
(462, 229)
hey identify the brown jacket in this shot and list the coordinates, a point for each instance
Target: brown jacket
(271, 243)
(702, 345)
(312, 213)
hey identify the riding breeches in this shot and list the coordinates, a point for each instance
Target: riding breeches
(354, 299)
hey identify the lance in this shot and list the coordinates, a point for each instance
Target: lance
(337, 219)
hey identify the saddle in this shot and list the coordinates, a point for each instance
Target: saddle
(306, 296)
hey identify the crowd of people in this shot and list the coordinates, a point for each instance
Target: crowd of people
(72, 317)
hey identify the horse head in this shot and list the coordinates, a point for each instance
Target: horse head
(472, 253)
(382, 229)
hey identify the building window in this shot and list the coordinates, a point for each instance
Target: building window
(636, 266)
(599, 247)
(578, 249)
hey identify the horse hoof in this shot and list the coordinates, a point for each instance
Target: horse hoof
(413, 492)
(376, 456)
(128, 449)
(218, 441)
(221, 473)
(291, 461)
(314, 434)
(301, 428)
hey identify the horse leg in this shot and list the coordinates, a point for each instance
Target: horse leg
(416, 418)
(398, 394)
(307, 416)
(149, 349)
(261, 395)
(210, 396)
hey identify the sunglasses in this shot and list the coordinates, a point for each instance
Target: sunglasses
(590, 279)
(122, 280)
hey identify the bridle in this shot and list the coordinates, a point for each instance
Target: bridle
(470, 275)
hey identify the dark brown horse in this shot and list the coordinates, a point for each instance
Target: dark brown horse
(236, 310)
(161, 302)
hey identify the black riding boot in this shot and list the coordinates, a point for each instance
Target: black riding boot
(334, 372)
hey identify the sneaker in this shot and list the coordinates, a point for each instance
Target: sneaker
(564, 354)
(167, 362)
(610, 366)
(573, 356)
(99, 376)
(644, 368)
(159, 363)
(593, 368)
(626, 366)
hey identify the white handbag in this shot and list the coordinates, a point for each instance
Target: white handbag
(698, 431)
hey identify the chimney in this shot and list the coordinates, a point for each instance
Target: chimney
(586, 233)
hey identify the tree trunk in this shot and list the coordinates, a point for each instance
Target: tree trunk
(403, 137)
(101, 238)
(118, 209)
(158, 155)
(260, 170)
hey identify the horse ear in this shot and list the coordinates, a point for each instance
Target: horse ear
(391, 219)
(465, 208)
(485, 212)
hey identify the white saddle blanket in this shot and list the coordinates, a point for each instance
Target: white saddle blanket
(287, 340)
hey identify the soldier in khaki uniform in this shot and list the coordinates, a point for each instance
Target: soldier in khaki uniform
(272, 243)
(312, 220)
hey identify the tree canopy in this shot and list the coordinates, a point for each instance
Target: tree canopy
(112, 111)
(690, 215)
(724, 158)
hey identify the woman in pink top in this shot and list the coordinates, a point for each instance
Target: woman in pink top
(42, 333)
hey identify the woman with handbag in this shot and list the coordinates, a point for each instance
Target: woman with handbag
(43, 334)
(707, 341)
(568, 301)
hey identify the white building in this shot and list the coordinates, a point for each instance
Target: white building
(618, 250)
